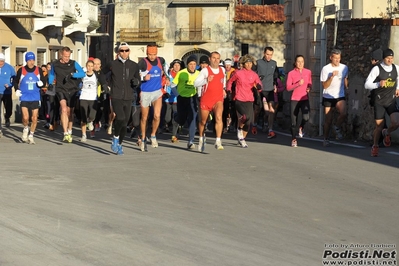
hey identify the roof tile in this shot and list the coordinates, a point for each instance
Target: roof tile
(259, 13)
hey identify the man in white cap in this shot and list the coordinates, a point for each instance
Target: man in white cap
(28, 83)
(7, 72)
(383, 79)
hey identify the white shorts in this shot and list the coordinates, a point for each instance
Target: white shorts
(147, 98)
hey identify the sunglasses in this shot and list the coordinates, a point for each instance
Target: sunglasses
(121, 50)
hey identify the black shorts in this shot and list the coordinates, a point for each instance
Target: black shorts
(88, 110)
(69, 97)
(269, 95)
(380, 110)
(332, 102)
(245, 108)
(31, 105)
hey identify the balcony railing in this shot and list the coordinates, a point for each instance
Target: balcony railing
(193, 35)
(138, 35)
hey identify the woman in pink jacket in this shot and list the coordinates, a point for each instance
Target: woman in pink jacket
(246, 81)
(299, 81)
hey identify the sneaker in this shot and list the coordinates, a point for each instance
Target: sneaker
(143, 145)
(271, 135)
(46, 126)
(338, 134)
(92, 134)
(374, 151)
(301, 133)
(31, 140)
(8, 122)
(243, 143)
(67, 138)
(387, 138)
(97, 127)
(174, 139)
(154, 142)
(294, 143)
(25, 133)
(119, 150)
(90, 126)
(109, 129)
(326, 143)
(218, 145)
(201, 144)
(114, 144)
(84, 138)
(254, 130)
(191, 146)
(240, 135)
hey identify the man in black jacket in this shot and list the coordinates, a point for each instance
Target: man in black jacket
(125, 79)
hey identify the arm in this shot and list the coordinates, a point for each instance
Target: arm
(370, 84)
(290, 84)
(202, 78)
(51, 75)
(42, 79)
(16, 79)
(326, 78)
(310, 82)
(80, 73)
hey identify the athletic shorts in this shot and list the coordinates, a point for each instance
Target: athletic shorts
(380, 110)
(208, 105)
(269, 95)
(245, 108)
(147, 98)
(31, 105)
(69, 97)
(327, 102)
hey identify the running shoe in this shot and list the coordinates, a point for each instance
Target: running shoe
(154, 142)
(218, 145)
(326, 143)
(92, 134)
(301, 133)
(294, 143)
(254, 130)
(240, 134)
(8, 122)
(143, 145)
(191, 146)
(338, 134)
(387, 138)
(201, 144)
(97, 127)
(243, 143)
(90, 126)
(84, 138)
(174, 139)
(374, 151)
(271, 135)
(119, 150)
(31, 140)
(25, 133)
(114, 144)
(67, 138)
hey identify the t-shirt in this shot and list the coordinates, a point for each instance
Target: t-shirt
(337, 87)
(185, 82)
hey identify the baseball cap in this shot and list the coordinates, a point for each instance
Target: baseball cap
(123, 45)
(2, 57)
(387, 52)
(29, 56)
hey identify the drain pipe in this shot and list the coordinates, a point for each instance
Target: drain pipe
(323, 48)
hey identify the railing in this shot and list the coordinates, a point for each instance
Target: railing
(139, 35)
(59, 8)
(193, 35)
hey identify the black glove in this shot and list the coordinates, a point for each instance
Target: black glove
(134, 82)
(165, 96)
(257, 99)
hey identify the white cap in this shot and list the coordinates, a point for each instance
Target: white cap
(123, 45)
(2, 57)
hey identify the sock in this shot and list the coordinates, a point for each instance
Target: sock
(65, 133)
(218, 139)
(116, 137)
(31, 133)
(70, 131)
(201, 138)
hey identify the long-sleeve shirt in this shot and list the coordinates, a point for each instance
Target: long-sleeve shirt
(245, 81)
(7, 73)
(371, 84)
(299, 91)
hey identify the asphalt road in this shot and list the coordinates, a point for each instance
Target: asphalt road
(270, 204)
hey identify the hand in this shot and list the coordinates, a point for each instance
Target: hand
(18, 93)
(39, 83)
(108, 89)
(397, 93)
(335, 73)
(275, 89)
(165, 96)
(135, 82)
(382, 83)
(6, 85)
(210, 78)
(307, 90)
(147, 77)
(301, 81)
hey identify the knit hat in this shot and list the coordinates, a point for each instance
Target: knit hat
(204, 59)
(387, 52)
(377, 55)
(191, 58)
(2, 57)
(29, 56)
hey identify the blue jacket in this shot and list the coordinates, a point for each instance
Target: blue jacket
(7, 73)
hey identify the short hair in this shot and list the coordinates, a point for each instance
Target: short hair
(214, 52)
(66, 49)
(335, 51)
(268, 48)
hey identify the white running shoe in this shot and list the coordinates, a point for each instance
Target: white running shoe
(90, 126)
(25, 133)
(243, 143)
(31, 140)
(218, 145)
(154, 142)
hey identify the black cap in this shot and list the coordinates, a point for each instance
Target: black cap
(204, 59)
(387, 52)
(191, 58)
(377, 55)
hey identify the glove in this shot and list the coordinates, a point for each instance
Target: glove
(229, 95)
(18, 93)
(39, 83)
(108, 90)
(165, 96)
(261, 77)
(135, 82)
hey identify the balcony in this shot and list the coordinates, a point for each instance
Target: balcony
(59, 14)
(22, 9)
(187, 35)
(86, 14)
(137, 35)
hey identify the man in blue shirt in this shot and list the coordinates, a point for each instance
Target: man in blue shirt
(7, 73)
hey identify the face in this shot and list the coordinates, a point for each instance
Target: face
(97, 64)
(49, 67)
(176, 67)
(300, 62)
(335, 59)
(248, 65)
(192, 66)
(227, 67)
(268, 55)
(44, 69)
(65, 56)
(215, 60)
(203, 65)
(124, 52)
(388, 60)
(30, 63)
(89, 67)
(2, 63)
(152, 56)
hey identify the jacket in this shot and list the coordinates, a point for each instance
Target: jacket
(125, 79)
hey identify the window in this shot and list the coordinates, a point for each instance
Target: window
(195, 23)
(19, 56)
(144, 23)
(244, 48)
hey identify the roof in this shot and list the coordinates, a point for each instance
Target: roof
(259, 13)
